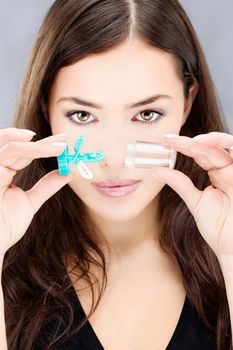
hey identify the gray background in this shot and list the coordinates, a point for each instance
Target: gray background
(19, 21)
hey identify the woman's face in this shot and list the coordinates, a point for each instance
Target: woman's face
(115, 81)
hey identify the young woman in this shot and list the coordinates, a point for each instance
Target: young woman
(151, 269)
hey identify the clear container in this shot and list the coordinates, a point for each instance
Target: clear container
(143, 154)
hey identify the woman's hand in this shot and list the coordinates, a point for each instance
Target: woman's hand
(17, 207)
(212, 208)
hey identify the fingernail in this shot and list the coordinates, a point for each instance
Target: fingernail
(171, 135)
(157, 174)
(61, 134)
(199, 137)
(58, 144)
(26, 131)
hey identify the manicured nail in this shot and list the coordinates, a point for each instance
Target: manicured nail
(158, 174)
(58, 144)
(171, 135)
(61, 134)
(198, 137)
(28, 132)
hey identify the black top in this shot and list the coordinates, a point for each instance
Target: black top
(190, 332)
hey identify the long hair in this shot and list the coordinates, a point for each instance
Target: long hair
(35, 282)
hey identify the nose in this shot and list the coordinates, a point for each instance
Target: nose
(114, 149)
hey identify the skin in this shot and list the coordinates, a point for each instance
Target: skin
(127, 74)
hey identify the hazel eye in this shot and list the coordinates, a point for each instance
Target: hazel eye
(150, 116)
(79, 117)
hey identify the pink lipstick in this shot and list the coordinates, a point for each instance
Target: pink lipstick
(116, 188)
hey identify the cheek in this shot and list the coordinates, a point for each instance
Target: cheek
(79, 185)
(59, 125)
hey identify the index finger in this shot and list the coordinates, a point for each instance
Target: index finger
(15, 134)
(215, 138)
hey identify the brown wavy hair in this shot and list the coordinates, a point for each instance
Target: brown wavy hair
(35, 281)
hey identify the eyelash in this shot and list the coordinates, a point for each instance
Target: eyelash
(149, 123)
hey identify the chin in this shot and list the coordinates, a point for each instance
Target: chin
(118, 213)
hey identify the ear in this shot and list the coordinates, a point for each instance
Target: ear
(189, 101)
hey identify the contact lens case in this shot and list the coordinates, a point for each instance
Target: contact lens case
(143, 154)
(65, 159)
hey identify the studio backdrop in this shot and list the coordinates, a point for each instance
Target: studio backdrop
(19, 21)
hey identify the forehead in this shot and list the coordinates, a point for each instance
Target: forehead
(133, 65)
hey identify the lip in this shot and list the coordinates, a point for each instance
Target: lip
(115, 183)
(119, 191)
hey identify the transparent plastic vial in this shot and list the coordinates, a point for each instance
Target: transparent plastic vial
(143, 154)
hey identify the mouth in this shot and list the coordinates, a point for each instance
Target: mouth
(116, 183)
(119, 188)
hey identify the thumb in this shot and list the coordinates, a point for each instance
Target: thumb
(47, 186)
(181, 184)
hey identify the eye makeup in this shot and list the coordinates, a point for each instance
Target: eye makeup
(160, 115)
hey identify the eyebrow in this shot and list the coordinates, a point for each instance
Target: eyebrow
(82, 102)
